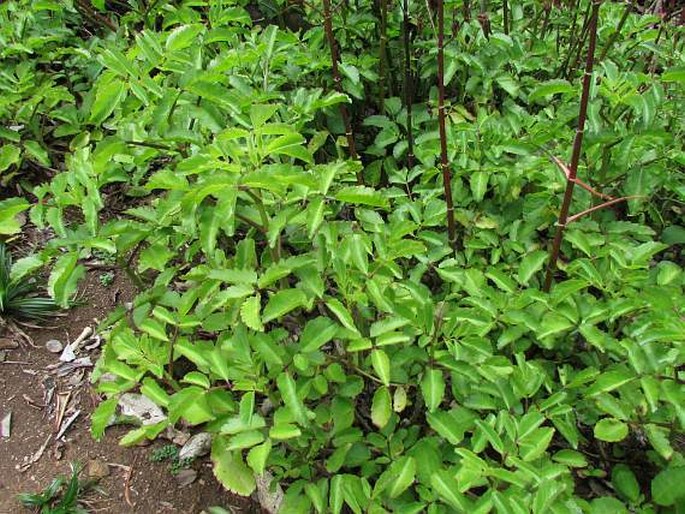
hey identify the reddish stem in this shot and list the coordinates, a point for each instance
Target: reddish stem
(446, 173)
(328, 28)
(577, 146)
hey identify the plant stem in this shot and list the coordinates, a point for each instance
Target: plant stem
(484, 19)
(446, 174)
(408, 96)
(505, 16)
(328, 28)
(383, 56)
(577, 146)
(629, 8)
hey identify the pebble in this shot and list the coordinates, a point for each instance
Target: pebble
(54, 346)
(186, 477)
(197, 446)
(97, 468)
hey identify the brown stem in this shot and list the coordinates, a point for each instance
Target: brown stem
(484, 19)
(383, 56)
(328, 27)
(564, 69)
(408, 97)
(446, 173)
(505, 16)
(611, 202)
(577, 146)
(466, 8)
(88, 11)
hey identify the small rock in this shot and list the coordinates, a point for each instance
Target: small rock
(97, 468)
(8, 344)
(143, 410)
(3, 355)
(197, 446)
(186, 477)
(54, 346)
(270, 498)
(178, 437)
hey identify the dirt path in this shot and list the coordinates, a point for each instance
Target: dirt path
(132, 482)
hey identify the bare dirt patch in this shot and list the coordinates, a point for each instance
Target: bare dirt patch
(132, 482)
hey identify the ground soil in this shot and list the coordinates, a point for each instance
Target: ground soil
(149, 489)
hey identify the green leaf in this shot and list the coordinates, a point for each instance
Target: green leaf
(290, 145)
(342, 314)
(25, 266)
(659, 437)
(479, 184)
(108, 96)
(675, 74)
(183, 36)
(196, 378)
(535, 444)
(403, 472)
(249, 313)
(570, 458)
(667, 486)
(530, 265)
(244, 440)
(433, 388)
(230, 469)
(362, 195)
(154, 328)
(452, 424)
(607, 505)
(64, 278)
(317, 333)
(261, 113)
(448, 490)
(335, 496)
(350, 71)
(282, 303)
(268, 350)
(101, 417)
(257, 457)
(381, 365)
(288, 389)
(381, 407)
(551, 87)
(673, 235)
(610, 380)
(625, 483)
(611, 430)
(9, 155)
(9, 209)
(154, 391)
(282, 431)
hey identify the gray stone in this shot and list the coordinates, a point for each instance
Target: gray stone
(54, 346)
(269, 496)
(140, 408)
(197, 446)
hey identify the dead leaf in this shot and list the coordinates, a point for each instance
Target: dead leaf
(6, 425)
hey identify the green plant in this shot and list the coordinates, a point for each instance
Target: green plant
(325, 331)
(170, 452)
(61, 496)
(107, 278)
(18, 298)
